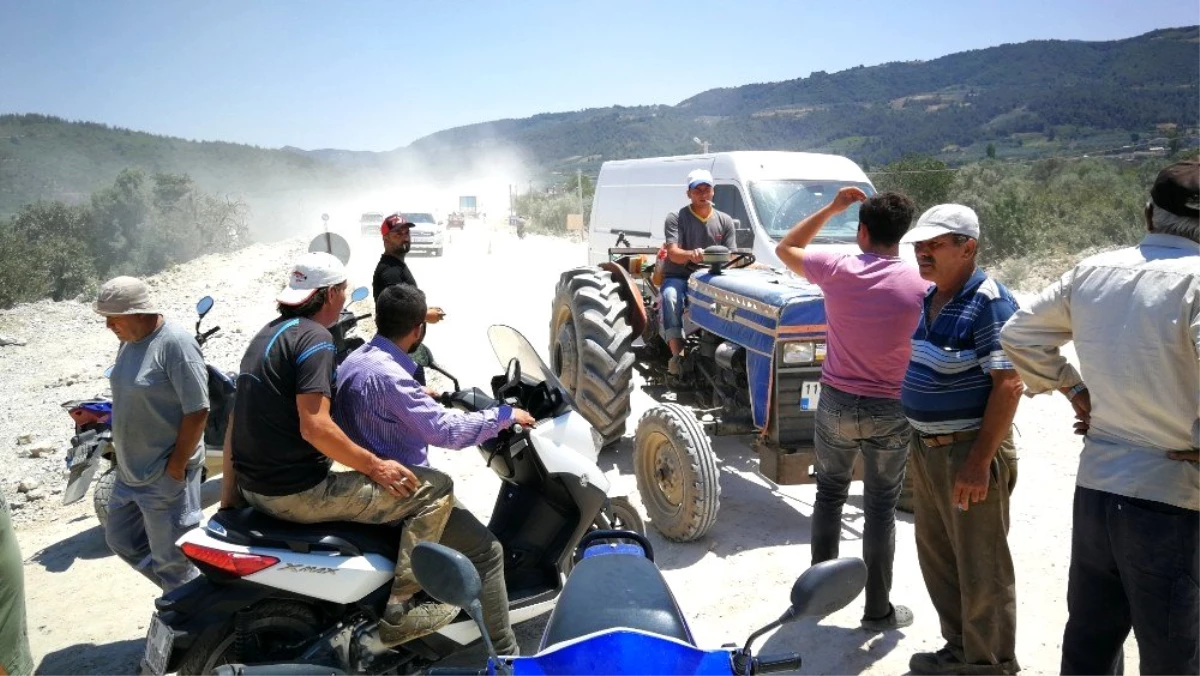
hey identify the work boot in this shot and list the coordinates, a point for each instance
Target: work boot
(417, 617)
(675, 365)
(943, 661)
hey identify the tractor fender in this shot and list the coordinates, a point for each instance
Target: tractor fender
(628, 291)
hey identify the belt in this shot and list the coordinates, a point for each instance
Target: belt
(936, 440)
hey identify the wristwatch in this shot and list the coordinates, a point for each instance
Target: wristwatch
(1075, 390)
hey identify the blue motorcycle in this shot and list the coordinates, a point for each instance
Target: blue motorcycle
(616, 614)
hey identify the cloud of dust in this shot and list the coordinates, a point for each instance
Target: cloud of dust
(428, 176)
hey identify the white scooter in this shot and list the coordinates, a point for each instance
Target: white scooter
(274, 592)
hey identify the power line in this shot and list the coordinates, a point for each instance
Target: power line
(1091, 154)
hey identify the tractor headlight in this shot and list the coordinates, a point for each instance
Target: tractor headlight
(801, 352)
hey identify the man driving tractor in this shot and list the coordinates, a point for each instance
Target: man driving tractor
(687, 233)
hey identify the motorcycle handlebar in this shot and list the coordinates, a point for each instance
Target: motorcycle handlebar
(781, 662)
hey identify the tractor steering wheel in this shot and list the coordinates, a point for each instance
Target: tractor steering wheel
(741, 259)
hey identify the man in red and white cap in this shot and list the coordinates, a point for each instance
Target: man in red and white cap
(392, 268)
(283, 441)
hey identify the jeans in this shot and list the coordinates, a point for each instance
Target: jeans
(847, 425)
(964, 555)
(672, 295)
(466, 534)
(144, 522)
(1134, 564)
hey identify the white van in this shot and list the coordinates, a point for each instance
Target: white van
(767, 192)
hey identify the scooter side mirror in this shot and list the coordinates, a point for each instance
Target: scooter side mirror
(446, 574)
(824, 588)
(423, 356)
(450, 577)
(204, 305)
(828, 587)
(359, 294)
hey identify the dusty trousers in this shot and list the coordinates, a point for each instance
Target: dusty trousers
(964, 555)
(466, 534)
(351, 496)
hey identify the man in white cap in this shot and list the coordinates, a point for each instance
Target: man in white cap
(687, 234)
(160, 406)
(960, 394)
(283, 441)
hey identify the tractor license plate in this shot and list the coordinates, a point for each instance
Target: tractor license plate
(159, 640)
(810, 395)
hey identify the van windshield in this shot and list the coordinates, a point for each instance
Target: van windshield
(782, 204)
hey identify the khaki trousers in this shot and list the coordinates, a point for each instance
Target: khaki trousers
(964, 555)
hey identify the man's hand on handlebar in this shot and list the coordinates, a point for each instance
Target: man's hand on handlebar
(522, 417)
(395, 478)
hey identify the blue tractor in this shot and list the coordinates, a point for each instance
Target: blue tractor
(755, 343)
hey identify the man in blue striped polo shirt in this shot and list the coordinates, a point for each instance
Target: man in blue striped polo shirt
(960, 394)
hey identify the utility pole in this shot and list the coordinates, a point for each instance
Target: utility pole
(579, 188)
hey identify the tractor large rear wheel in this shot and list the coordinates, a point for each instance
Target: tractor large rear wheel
(591, 348)
(677, 474)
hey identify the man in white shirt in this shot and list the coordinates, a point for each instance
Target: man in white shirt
(1134, 315)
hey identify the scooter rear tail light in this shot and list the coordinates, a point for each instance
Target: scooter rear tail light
(235, 563)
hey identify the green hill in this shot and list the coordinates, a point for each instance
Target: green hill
(1024, 100)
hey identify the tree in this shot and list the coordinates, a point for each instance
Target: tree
(991, 151)
(925, 180)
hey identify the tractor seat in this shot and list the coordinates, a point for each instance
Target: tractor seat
(252, 528)
(617, 591)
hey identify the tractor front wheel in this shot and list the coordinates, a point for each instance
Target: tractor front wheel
(677, 474)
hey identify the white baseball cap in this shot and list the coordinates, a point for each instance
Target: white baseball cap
(312, 271)
(954, 219)
(699, 176)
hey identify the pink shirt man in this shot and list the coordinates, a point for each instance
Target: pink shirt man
(872, 305)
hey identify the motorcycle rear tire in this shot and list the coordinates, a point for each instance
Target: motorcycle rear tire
(277, 621)
(102, 493)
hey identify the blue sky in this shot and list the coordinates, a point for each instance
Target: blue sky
(367, 75)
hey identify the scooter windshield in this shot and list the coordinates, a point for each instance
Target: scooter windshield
(623, 651)
(508, 343)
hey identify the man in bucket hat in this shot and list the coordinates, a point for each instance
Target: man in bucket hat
(1134, 316)
(960, 395)
(160, 406)
(283, 441)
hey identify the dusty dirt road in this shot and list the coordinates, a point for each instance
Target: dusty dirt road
(88, 612)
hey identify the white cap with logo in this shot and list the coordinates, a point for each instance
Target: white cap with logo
(943, 219)
(698, 176)
(312, 271)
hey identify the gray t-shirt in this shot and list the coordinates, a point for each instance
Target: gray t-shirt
(155, 383)
(688, 232)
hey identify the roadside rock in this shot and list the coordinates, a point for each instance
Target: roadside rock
(27, 485)
(5, 341)
(39, 451)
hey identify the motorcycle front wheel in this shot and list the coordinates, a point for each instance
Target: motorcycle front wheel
(274, 631)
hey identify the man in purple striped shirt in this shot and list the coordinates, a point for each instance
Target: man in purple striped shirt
(381, 407)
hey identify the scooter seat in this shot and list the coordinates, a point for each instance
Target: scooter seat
(249, 527)
(616, 591)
